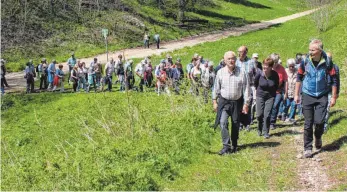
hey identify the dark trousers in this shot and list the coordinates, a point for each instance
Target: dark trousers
(314, 109)
(149, 80)
(109, 82)
(232, 110)
(264, 107)
(74, 84)
(158, 42)
(30, 84)
(129, 82)
(3, 80)
(142, 82)
(275, 108)
(43, 81)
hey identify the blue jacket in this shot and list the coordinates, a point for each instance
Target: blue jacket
(316, 80)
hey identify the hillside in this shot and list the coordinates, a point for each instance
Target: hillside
(36, 29)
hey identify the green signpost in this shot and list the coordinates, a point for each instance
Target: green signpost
(105, 33)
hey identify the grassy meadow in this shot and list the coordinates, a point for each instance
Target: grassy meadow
(139, 141)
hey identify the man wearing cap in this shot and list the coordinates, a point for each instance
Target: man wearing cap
(169, 59)
(42, 73)
(30, 75)
(71, 62)
(51, 73)
(140, 72)
(255, 57)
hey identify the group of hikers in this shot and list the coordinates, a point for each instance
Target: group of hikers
(241, 87)
(310, 83)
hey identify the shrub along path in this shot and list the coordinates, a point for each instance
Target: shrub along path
(18, 83)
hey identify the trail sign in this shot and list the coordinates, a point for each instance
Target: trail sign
(105, 32)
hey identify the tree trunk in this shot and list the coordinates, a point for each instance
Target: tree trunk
(181, 8)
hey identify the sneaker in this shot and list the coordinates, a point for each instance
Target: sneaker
(308, 153)
(248, 128)
(272, 127)
(241, 127)
(259, 133)
(318, 143)
(283, 118)
(233, 149)
(266, 136)
(287, 120)
(224, 151)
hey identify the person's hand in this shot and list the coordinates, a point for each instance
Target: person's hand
(245, 109)
(215, 106)
(332, 101)
(297, 99)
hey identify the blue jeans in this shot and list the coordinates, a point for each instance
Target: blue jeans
(275, 108)
(290, 103)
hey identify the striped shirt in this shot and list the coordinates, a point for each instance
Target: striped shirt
(232, 85)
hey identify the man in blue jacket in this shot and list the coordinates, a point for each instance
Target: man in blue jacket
(313, 75)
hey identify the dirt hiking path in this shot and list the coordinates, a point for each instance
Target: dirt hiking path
(18, 83)
(312, 175)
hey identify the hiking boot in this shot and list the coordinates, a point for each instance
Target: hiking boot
(272, 127)
(318, 143)
(308, 153)
(224, 151)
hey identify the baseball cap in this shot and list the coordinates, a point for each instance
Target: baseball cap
(255, 55)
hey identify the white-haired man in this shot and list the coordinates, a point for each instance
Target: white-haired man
(231, 84)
